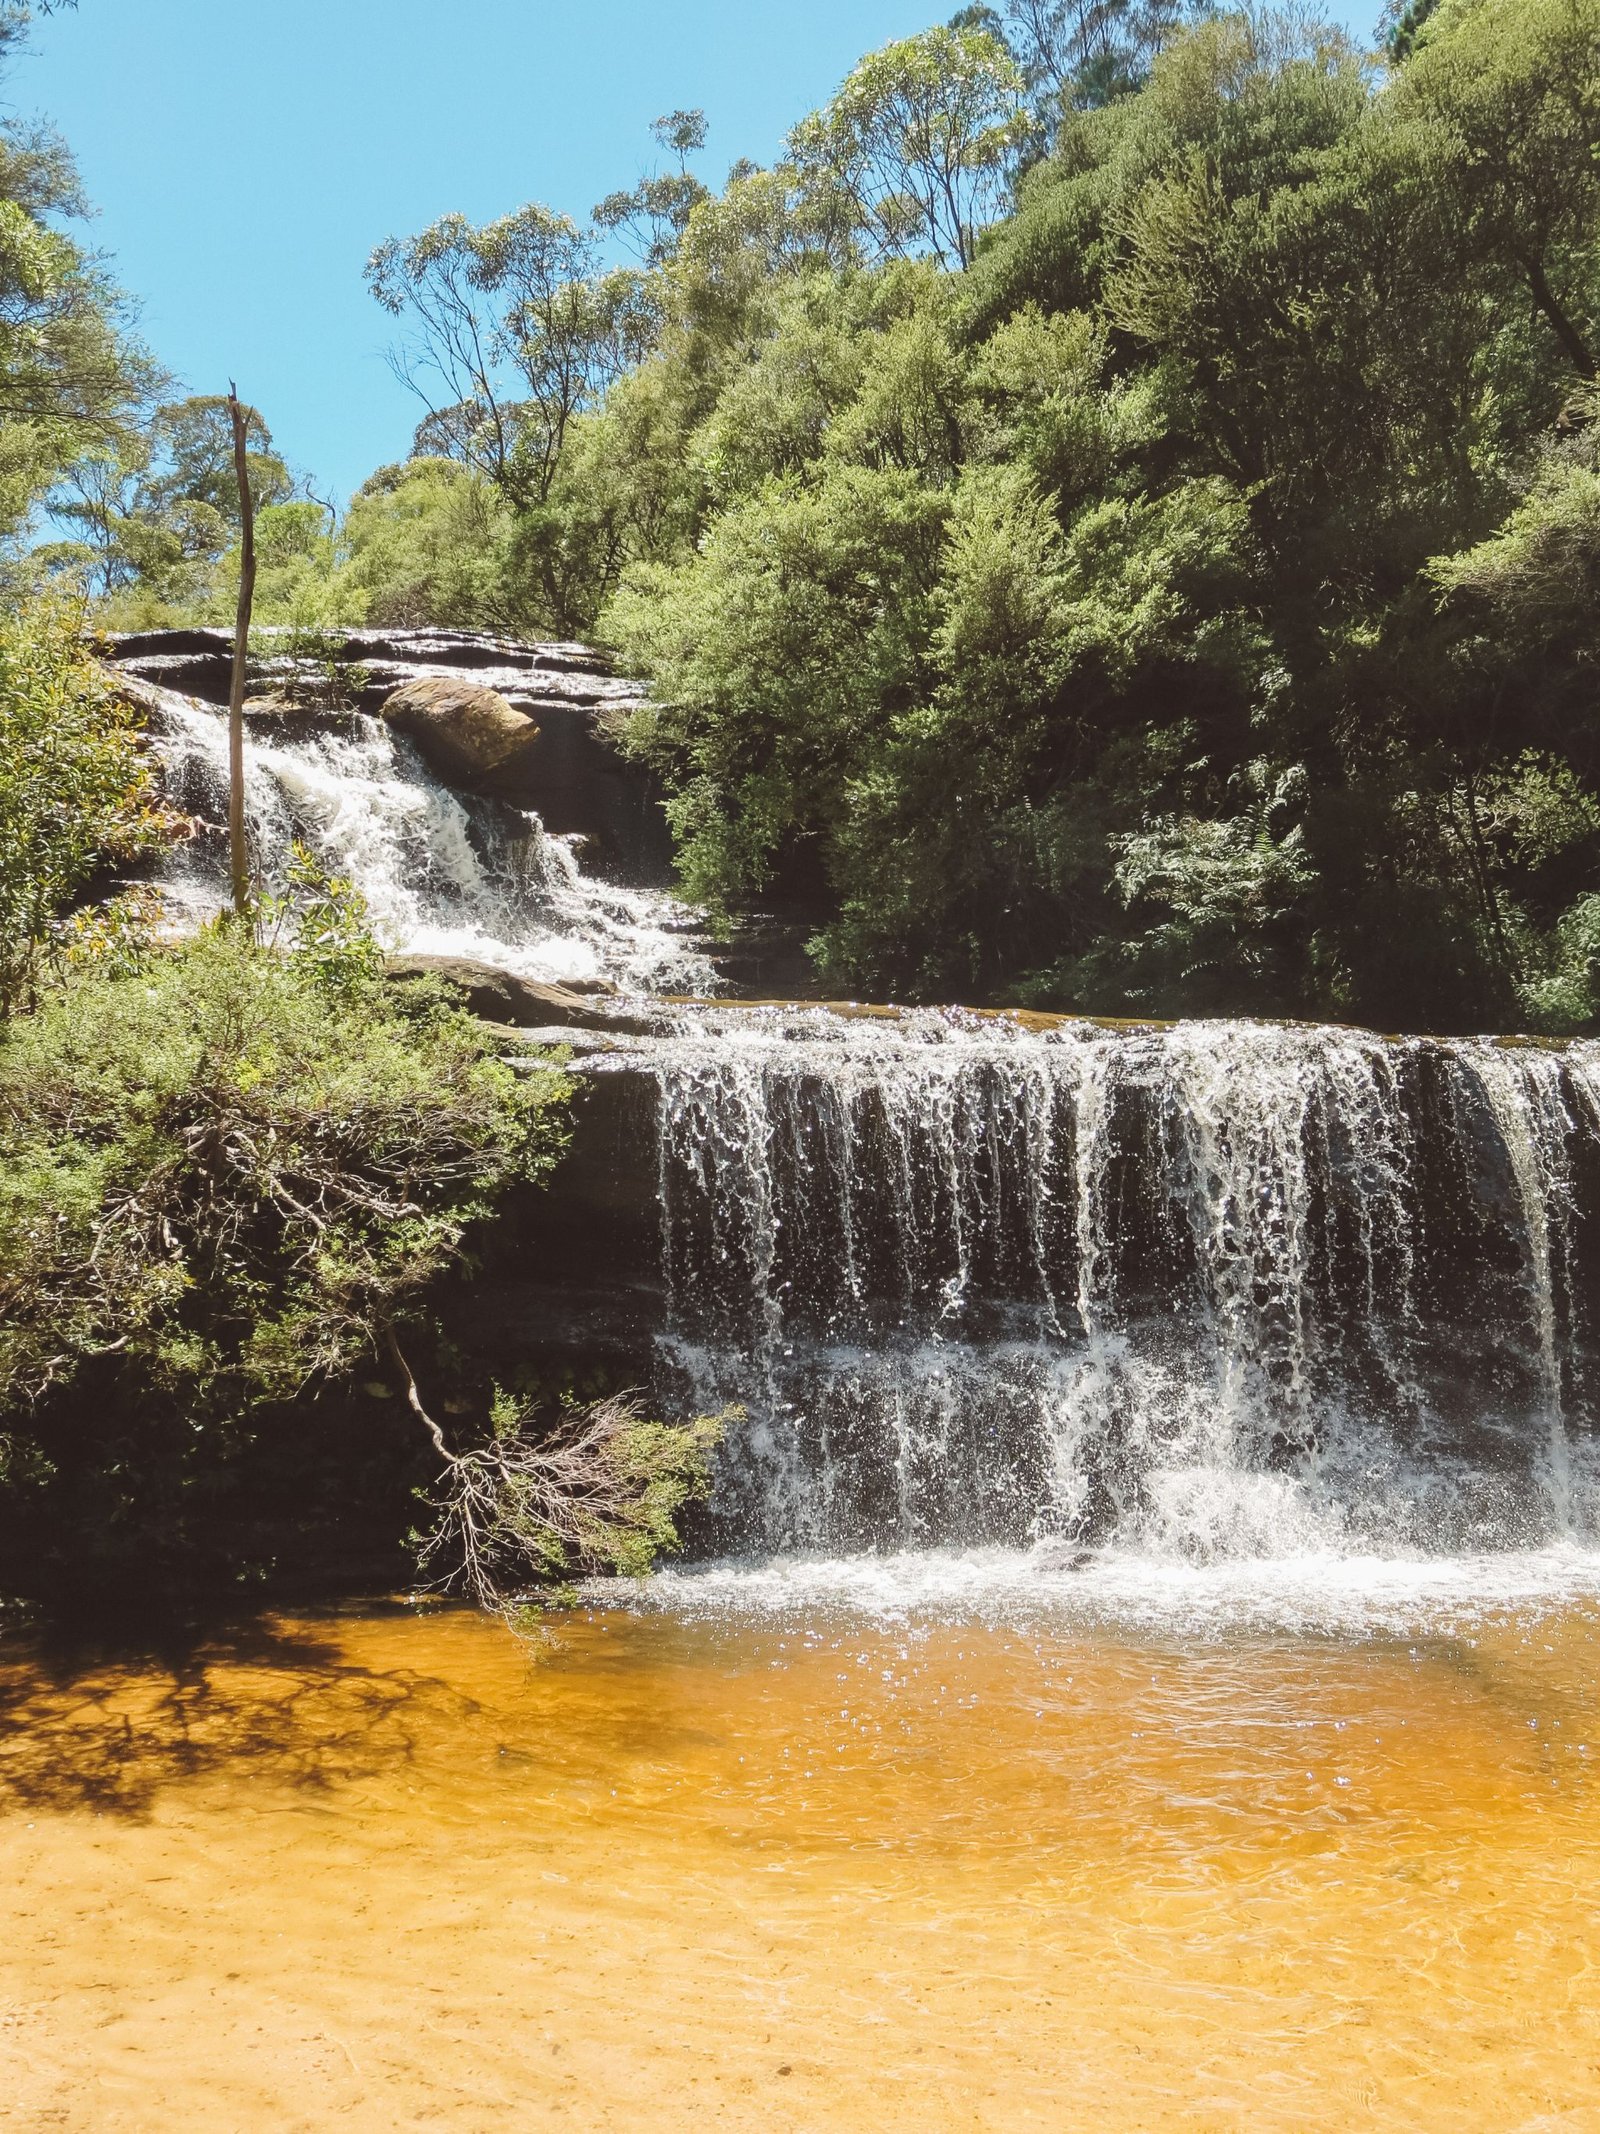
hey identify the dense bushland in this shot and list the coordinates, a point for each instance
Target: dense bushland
(237, 1177)
(1183, 608)
(1110, 517)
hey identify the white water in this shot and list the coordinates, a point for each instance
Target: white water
(1212, 1294)
(442, 874)
(1317, 1595)
(1217, 1318)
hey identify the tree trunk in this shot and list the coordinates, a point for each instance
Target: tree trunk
(1565, 332)
(239, 858)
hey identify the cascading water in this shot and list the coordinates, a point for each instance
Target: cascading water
(442, 873)
(1213, 1291)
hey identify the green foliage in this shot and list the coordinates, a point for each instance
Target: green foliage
(76, 793)
(1226, 645)
(157, 509)
(424, 543)
(1082, 54)
(71, 379)
(240, 1164)
(655, 214)
(1408, 25)
(1534, 581)
(226, 1179)
(515, 330)
(917, 140)
(1110, 516)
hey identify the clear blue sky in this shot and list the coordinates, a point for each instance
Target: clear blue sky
(246, 155)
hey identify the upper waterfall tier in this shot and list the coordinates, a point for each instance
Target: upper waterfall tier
(560, 869)
(579, 785)
(443, 872)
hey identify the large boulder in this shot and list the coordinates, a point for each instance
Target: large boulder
(500, 996)
(469, 735)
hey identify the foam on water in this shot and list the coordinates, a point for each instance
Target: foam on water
(442, 874)
(1337, 1596)
(1208, 1293)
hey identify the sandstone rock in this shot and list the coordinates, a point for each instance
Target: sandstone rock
(468, 734)
(498, 996)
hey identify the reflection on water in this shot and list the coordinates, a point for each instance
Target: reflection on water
(820, 1866)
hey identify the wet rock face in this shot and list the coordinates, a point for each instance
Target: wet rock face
(574, 776)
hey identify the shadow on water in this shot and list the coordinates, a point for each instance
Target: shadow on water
(108, 1725)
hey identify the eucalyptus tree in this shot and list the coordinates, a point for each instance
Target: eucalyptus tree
(71, 379)
(157, 504)
(514, 329)
(1504, 98)
(919, 139)
(652, 217)
(1077, 54)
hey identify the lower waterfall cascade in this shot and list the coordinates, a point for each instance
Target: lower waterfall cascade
(1209, 1291)
(1214, 1291)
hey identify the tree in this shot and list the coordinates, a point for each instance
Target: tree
(238, 854)
(234, 1178)
(1079, 54)
(76, 788)
(918, 139)
(1405, 26)
(158, 504)
(1506, 94)
(653, 217)
(71, 380)
(423, 544)
(515, 331)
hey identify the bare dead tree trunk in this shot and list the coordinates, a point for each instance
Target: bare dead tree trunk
(239, 858)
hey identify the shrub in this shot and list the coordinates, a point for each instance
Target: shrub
(226, 1179)
(76, 789)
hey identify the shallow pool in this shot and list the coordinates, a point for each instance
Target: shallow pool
(962, 1843)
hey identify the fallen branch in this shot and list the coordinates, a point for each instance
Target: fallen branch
(397, 1355)
(598, 1490)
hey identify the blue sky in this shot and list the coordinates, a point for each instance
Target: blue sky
(245, 156)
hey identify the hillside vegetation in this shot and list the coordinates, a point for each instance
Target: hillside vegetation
(1111, 518)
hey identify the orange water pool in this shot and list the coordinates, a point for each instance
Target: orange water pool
(806, 1869)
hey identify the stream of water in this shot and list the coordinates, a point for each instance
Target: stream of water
(1219, 1291)
(443, 873)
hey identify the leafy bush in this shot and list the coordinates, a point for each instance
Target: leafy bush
(226, 1180)
(238, 1169)
(599, 1490)
(232, 1182)
(76, 788)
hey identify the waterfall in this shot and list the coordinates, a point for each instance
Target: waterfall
(442, 873)
(1208, 1292)
(1211, 1291)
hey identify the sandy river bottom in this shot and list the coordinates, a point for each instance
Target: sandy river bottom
(698, 1866)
